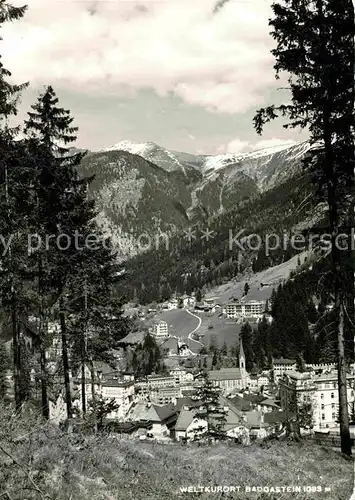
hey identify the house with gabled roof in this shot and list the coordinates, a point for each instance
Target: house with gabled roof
(161, 418)
(188, 423)
(170, 346)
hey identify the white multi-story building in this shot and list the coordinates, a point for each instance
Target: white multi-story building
(327, 398)
(282, 366)
(122, 391)
(156, 381)
(181, 375)
(321, 390)
(160, 329)
(259, 380)
(108, 386)
(189, 301)
(171, 305)
(245, 309)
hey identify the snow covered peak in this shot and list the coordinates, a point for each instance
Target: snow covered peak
(221, 161)
(130, 147)
(265, 166)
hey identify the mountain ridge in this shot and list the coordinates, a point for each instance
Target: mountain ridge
(160, 191)
(208, 165)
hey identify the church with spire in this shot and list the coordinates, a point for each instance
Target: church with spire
(232, 379)
(242, 362)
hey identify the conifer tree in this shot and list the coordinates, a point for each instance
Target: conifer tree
(9, 222)
(60, 203)
(246, 335)
(95, 312)
(315, 46)
(210, 411)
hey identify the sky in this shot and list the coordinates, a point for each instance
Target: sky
(186, 74)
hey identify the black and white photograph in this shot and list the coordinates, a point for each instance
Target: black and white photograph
(177, 249)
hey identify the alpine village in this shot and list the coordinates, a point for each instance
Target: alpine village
(143, 335)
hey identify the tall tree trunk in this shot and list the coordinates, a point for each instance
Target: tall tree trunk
(44, 382)
(16, 350)
(338, 277)
(14, 322)
(63, 328)
(83, 350)
(334, 198)
(342, 384)
(83, 381)
(93, 393)
(43, 335)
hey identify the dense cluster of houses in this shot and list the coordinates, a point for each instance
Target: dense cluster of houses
(165, 407)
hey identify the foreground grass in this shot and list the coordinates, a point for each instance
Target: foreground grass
(40, 461)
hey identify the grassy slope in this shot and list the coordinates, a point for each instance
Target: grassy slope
(180, 323)
(272, 276)
(39, 461)
(224, 330)
(120, 469)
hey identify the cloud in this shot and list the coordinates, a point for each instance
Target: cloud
(236, 146)
(220, 62)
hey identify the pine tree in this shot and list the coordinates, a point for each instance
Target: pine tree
(9, 222)
(224, 350)
(315, 45)
(60, 203)
(9, 93)
(215, 359)
(246, 335)
(210, 411)
(95, 312)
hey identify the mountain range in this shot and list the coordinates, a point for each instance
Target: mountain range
(142, 190)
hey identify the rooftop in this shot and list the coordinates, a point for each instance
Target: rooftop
(284, 361)
(234, 417)
(300, 375)
(330, 377)
(225, 374)
(117, 383)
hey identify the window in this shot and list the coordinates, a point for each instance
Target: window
(334, 385)
(333, 406)
(322, 407)
(322, 396)
(332, 395)
(323, 416)
(333, 416)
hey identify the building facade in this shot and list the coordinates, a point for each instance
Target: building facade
(321, 390)
(160, 329)
(230, 379)
(245, 309)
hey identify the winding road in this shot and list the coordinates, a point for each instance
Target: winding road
(195, 329)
